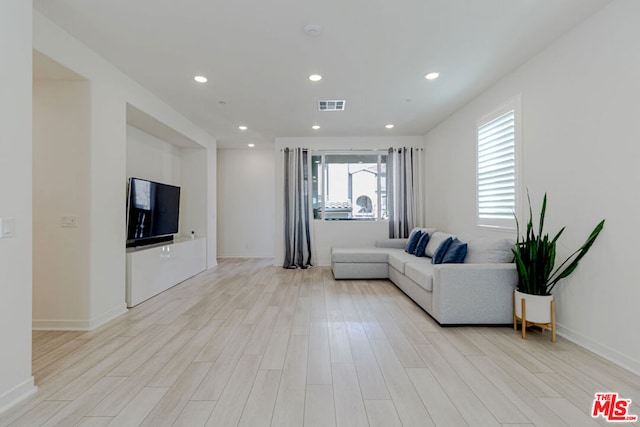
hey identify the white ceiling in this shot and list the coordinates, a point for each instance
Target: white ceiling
(373, 53)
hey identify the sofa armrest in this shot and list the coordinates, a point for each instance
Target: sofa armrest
(474, 293)
(392, 243)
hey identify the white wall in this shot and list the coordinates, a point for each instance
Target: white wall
(111, 91)
(194, 192)
(107, 168)
(212, 204)
(152, 158)
(580, 134)
(327, 234)
(246, 203)
(61, 135)
(15, 201)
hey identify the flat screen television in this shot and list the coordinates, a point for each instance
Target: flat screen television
(153, 212)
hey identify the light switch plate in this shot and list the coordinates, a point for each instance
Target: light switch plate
(69, 221)
(7, 228)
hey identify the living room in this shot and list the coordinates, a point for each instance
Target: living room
(576, 97)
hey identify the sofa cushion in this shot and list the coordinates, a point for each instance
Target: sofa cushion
(456, 252)
(438, 256)
(413, 241)
(359, 255)
(486, 250)
(398, 259)
(421, 273)
(422, 244)
(434, 242)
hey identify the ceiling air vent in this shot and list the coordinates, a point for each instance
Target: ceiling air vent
(331, 105)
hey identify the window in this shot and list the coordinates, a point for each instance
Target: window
(496, 169)
(349, 186)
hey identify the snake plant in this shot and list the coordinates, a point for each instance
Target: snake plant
(535, 256)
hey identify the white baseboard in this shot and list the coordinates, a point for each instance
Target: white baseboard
(60, 325)
(78, 325)
(16, 394)
(610, 354)
(109, 315)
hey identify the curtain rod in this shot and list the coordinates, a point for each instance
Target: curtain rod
(346, 150)
(405, 148)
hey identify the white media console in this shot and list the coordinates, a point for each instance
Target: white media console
(152, 270)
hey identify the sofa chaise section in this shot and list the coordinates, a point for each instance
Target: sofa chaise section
(360, 263)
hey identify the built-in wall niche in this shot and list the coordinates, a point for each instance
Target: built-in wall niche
(158, 153)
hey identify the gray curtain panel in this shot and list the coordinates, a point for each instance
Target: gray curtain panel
(404, 192)
(297, 238)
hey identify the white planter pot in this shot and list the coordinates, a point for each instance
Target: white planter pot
(537, 308)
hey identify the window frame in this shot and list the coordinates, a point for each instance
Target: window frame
(506, 224)
(322, 176)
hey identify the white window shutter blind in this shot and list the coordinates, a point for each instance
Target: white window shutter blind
(497, 171)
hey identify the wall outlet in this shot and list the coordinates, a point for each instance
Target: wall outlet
(7, 228)
(69, 221)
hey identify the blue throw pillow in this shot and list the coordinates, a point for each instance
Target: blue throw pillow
(413, 241)
(439, 254)
(422, 244)
(456, 252)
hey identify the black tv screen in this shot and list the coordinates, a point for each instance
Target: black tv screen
(153, 211)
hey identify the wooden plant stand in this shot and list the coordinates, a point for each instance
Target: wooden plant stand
(525, 323)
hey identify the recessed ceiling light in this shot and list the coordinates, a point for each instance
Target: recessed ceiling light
(251, 145)
(200, 79)
(432, 76)
(242, 127)
(315, 77)
(313, 30)
(389, 126)
(315, 127)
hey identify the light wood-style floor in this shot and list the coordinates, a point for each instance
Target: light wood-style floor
(250, 344)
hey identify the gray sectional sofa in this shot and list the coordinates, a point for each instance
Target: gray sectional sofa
(477, 291)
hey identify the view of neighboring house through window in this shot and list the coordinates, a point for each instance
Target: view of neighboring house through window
(496, 169)
(349, 186)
